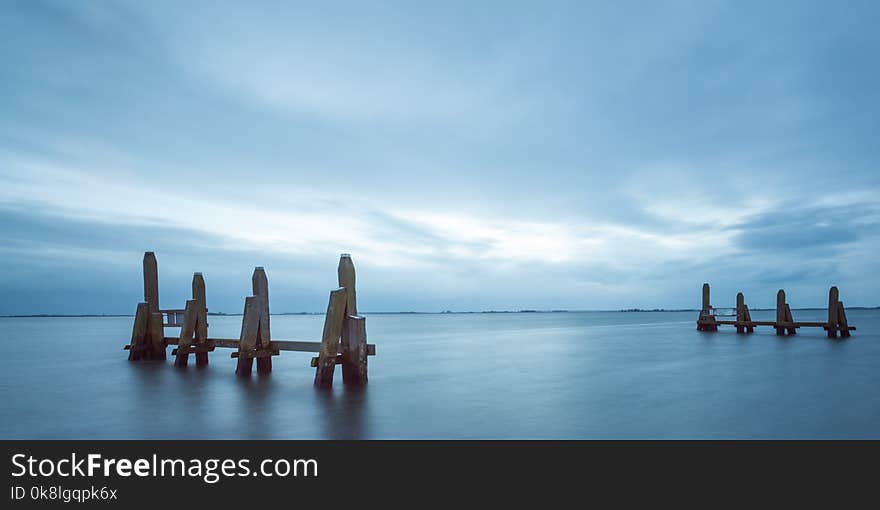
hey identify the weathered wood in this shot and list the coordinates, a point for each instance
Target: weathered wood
(780, 312)
(260, 284)
(139, 332)
(201, 326)
(250, 325)
(371, 351)
(740, 311)
(257, 354)
(789, 319)
(151, 281)
(194, 349)
(187, 329)
(278, 345)
(354, 352)
(157, 337)
(706, 321)
(833, 322)
(346, 274)
(781, 324)
(842, 324)
(748, 318)
(333, 322)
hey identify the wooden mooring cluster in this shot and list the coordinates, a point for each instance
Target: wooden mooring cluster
(343, 341)
(784, 323)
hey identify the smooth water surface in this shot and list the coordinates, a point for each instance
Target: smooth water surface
(526, 375)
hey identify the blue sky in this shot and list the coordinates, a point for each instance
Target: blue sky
(469, 155)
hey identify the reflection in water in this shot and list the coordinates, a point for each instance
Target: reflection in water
(342, 413)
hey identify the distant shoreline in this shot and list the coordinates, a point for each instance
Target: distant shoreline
(447, 312)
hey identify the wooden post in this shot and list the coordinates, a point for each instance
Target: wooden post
(790, 319)
(260, 285)
(333, 322)
(841, 320)
(833, 321)
(148, 334)
(185, 340)
(151, 281)
(247, 342)
(740, 312)
(201, 326)
(748, 317)
(354, 351)
(347, 280)
(139, 332)
(157, 337)
(780, 312)
(706, 321)
(354, 333)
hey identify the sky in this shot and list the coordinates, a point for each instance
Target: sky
(469, 155)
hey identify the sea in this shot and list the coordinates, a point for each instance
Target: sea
(561, 375)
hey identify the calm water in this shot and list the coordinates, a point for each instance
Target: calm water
(560, 375)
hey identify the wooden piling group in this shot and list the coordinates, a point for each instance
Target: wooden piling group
(784, 323)
(344, 338)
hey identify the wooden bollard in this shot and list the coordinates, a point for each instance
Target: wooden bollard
(194, 330)
(833, 322)
(255, 340)
(784, 319)
(151, 281)
(347, 280)
(201, 329)
(740, 312)
(743, 315)
(260, 285)
(333, 323)
(354, 332)
(187, 329)
(706, 322)
(148, 334)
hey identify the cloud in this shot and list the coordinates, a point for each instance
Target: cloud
(557, 156)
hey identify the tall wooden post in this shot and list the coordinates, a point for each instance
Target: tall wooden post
(706, 321)
(148, 335)
(201, 305)
(151, 282)
(833, 316)
(706, 301)
(354, 332)
(784, 319)
(260, 285)
(255, 340)
(780, 311)
(194, 330)
(740, 312)
(347, 280)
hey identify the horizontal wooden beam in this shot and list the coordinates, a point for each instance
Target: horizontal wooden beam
(280, 345)
(371, 351)
(259, 353)
(780, 324)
